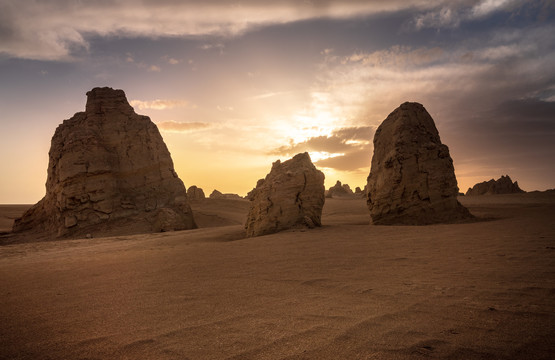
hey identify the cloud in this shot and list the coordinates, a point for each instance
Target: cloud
(159, 104)
(178, 127)
(342, 150)
(58, 29)
(452, 14)
(487, 7)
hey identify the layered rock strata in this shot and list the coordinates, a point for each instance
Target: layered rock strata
(109, 173)
(412, 179)
(291, 195)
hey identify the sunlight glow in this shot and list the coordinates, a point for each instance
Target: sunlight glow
(321, 155)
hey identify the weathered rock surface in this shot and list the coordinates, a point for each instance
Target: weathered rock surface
(291, 195)
(195, 193)
(412, 179)
(339, 191)
(250, 194)
(109, 173)
(503, 185)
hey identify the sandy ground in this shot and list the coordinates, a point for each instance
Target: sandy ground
(348, 290)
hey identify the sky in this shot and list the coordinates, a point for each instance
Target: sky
(236, 85)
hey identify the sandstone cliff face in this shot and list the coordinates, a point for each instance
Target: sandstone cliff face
(412, 179)
(109, 173)
(291, 195)
(503, 185)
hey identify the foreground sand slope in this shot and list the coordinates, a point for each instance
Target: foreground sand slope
(483, 290)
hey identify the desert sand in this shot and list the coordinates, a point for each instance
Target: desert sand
(348, 290)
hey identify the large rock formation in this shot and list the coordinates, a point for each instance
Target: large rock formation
(412, 179)
(291, 195)
(503, 185)
(195, 193)
(109, 173)
(340, 191)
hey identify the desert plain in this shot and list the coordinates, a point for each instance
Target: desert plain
(348, 290)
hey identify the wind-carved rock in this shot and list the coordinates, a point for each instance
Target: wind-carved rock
(228, 196)
(195, 193)
(340, 190)
(291, 195)
(412, 179)
(109, 173)
(503, 185)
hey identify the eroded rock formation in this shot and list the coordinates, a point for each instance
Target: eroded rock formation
(195, 193)
(503, 185)
(412, 179)
(291, 195)
(340, 190)
(109, 173)
(228, 196)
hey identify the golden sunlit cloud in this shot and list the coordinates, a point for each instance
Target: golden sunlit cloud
(159, 104)
(316, 156)
(178, 127)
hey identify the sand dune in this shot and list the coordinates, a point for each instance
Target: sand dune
(348, 290)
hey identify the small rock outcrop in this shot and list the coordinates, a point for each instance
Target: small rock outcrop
(195, 193)
(339, 191)
(218, 195)
(412, 179)
(291, 195)
(109, 173)
(503, 185)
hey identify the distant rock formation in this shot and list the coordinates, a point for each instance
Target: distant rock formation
(412, 180)
(339, 190)
(291, 195)
(109, 173)
(360, 193)
(503, 185)
(218, 195)
(195, 193)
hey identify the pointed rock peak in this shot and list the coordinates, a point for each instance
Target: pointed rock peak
(302, 157)
(411, 105)
(100, 100)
